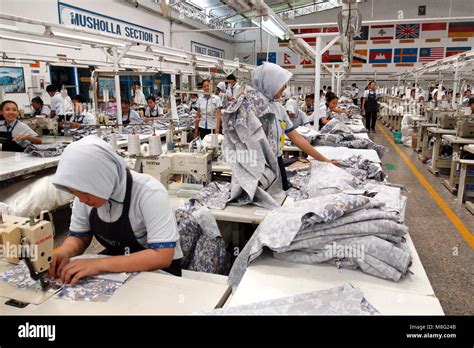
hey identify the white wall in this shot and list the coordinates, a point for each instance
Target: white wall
(47, 10)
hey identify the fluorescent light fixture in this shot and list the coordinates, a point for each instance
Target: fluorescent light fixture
(178, 61)
(7, 27)
(140, 55)
(40, 42)
(174, 54)
(205, 59)
(272, 27)
(87, 39)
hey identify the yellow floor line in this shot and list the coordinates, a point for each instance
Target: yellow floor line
(462, 229)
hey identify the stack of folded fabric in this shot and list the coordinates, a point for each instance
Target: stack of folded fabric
(45, 150)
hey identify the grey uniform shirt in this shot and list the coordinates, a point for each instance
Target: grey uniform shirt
(300, 119)
(18, 128)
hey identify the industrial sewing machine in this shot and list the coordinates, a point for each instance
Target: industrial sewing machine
(447, 120)
(465, 128)
(163, 166)
(43, 125)
(30, 240)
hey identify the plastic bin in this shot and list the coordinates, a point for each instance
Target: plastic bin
(397, 137)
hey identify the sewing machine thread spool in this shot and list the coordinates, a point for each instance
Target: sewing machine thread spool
(113, 140)
(133, 144)
(155, 145)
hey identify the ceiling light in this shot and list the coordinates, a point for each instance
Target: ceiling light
(165, 52)
(84, 38)
(41, 42)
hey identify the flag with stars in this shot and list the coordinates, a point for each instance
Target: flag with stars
(363, 33)
(382, 32)
(407, 31)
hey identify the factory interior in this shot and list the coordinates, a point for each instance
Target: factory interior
(237, 157)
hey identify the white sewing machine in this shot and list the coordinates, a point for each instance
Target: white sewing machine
(447, 120)
(30, 240)
(465, 128)
(162, 167)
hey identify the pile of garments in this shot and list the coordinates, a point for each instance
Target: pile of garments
(84, 131)
(186, 117)
(336, 133)
(344, 221)
(45, 150)
(343, 300)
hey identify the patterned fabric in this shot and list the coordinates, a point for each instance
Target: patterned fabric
(201, 241)
(363, 169)
(214, 196)
(46, 150)
(248, 128)
(343, 300)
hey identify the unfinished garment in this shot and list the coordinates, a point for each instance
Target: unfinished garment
(363, 169)
(249, 152)
(45, 150)
(343, 300)
(377, 248)
(201, 241)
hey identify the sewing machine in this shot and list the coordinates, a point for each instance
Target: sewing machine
(465, 128)
(43, 125)
(447, 121)
(162, 167)
(30, 240)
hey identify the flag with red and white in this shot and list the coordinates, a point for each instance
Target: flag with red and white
(382, 32)
(430, 54)
(433, 30)
(287, 58)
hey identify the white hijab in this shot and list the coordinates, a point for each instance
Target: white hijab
(92, 166)
(268, 78)
(221, 86)
(292, 106)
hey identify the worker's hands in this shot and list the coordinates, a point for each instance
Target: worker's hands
(78, 269)
(218, 130)
(336, 163)
(20, 136)
(60, 259)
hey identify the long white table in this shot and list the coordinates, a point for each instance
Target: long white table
(268, 278)
(341, 153)
(27, 164)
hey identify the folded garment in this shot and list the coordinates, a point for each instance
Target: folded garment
(343, 300)
(45, 150)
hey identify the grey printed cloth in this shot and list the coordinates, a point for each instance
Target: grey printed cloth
(315, 230)
(363, 169)
(45, 150)
(247, 125)
(186, 117)
(343, 300)
(201, 241)
(214, 196)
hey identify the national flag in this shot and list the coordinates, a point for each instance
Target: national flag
(407, 31)
(286, 59)
(451, 51)
(329, 57)
(305, 61)
(461, 29)
(429, 54)
(310, 40)
(433, 30)
(331, 30)
(382, 32)
(363, 33)
(405, 55)
(382, 55)
(261, 57)
(360, 56)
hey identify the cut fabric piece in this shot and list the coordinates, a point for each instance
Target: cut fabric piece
(90, 290)
(45, 150)
(343, 300)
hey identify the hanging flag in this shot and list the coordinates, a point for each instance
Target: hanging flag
(433, 30)
(405, 55)
(430, 54)
(363, 33)
(360, 56)
(451, 51)
(261, 57)
(306, 62)
(272, 57)
(287, 59)
(331, 30)
(461, 29)
(407, 31)
(331, 57)
(310, 40)
(383, 55)
(382, 32)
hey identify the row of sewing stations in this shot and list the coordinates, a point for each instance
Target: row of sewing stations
(265, 279)
(438, 129)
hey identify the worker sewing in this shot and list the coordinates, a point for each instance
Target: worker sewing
(81, 115)
(129, 115)
(270, 79)
(14, 134)
(309, 103)
(127, 212)
(208, 117)
(39, 109)
(153, 109)
(466, 98)
(331, 107)
(297, 117)
(138, 98)
(370, 106)
(233, 90)
(60, 106)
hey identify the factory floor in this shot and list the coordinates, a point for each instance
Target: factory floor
(445, 254)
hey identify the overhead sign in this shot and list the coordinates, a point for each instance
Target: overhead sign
(82, 18)
(207, 50)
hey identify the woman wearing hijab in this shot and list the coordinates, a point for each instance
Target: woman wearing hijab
(270, 80)
(127, 212)
(297, 117)
(221, 93)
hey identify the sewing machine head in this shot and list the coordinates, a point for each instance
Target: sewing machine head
(30, 240)
(447, 120)
(465, 128)
(162, 167)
